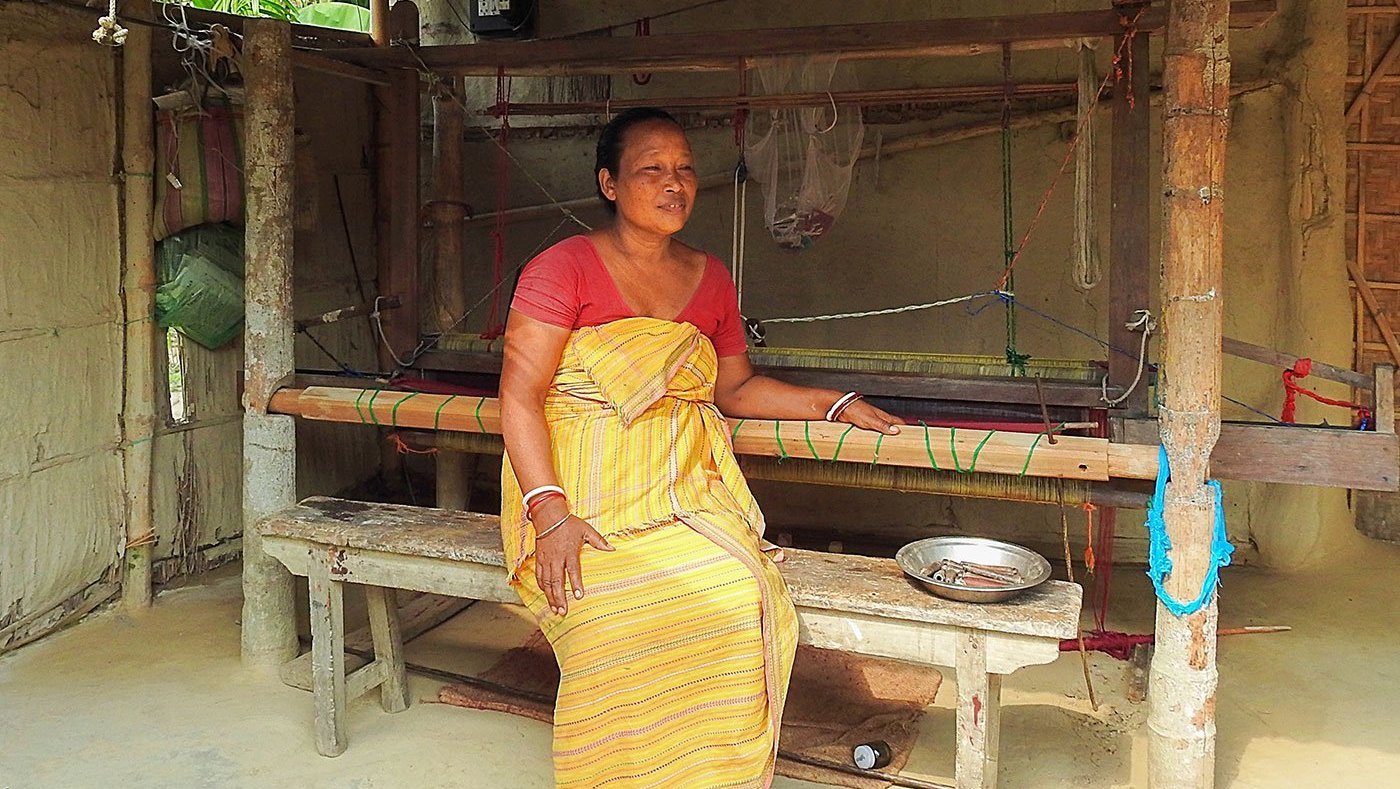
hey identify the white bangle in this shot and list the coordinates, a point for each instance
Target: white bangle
(841, 403)
(525, 500)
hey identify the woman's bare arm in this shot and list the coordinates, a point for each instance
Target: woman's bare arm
(741, 392)
(532, 353)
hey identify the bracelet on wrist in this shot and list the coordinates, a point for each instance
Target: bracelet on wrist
(539, 491)
(539, 500)
(541, 535)
(841, 404)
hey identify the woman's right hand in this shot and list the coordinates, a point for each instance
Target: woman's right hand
(557, 555)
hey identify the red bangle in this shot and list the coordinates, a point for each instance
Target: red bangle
(535, 502)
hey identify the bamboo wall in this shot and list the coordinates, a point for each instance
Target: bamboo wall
(61, 476)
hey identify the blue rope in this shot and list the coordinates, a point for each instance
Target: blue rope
(1159, 564)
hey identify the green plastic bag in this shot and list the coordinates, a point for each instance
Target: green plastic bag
(201, 284)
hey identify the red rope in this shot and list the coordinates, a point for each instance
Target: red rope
(1089, 536)
(1291, 389)
(495, 325)
(1109, 642)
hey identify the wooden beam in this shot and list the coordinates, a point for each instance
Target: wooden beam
(1328, 457)
(857, 97)
(310, 61)
(1384, 401)
(401, 327)
(905, 385)
(1381, 317)
(1273, 358)
(335, 316)
(1130, 240)
(731, 49)
(448, 211)
(1028, 454)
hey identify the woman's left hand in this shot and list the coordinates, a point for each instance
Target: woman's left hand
(867, 417)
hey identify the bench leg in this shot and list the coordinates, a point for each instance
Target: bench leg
(388, 647)
(327, 658)
(979, 714)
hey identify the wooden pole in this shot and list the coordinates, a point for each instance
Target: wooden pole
(396, 214)
(1130, 237)
(1196, 84)
(448, 212)
(138, 290)
(269, 440)
(379, 22)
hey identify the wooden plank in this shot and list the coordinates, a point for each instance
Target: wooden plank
(1363, 288)
(1024, 454)
(1130, 243)
(460, 554)
(924, 644)
(731, 49)
(1384, 401)
(422, 614)
(949, 449)
(1000, 390)
(1269, 356)
(1293, 455)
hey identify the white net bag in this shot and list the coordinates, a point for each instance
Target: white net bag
(803, 156)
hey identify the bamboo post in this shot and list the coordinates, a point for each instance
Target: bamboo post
(1196, 84)
(269, 440)
(138, 292)
(448, 211)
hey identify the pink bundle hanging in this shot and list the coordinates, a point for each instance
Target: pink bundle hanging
(199, 167)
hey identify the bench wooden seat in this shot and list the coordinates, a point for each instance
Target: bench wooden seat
(852, 603)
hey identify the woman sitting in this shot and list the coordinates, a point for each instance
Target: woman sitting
(629, 530)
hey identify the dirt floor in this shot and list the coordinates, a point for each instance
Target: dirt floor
(160, 700)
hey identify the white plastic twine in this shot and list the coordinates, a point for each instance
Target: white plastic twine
(109, 31)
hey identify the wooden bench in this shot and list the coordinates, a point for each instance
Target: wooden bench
(852, 603)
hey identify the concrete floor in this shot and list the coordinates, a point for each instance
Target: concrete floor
(159, 700)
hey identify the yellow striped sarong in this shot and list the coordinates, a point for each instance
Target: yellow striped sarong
(675, 665)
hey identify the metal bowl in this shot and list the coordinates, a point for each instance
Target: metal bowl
(918, 555)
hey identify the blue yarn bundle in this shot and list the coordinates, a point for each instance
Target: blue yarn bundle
(1159, 564)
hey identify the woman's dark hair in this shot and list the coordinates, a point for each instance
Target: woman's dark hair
(609, 154)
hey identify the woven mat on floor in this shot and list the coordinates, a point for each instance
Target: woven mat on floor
(836, 701)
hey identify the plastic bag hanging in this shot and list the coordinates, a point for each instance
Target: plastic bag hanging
(803, 156)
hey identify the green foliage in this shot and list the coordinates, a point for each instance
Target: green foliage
(344, 16)
(341, 15)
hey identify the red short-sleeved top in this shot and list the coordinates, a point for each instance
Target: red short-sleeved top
(568, 285)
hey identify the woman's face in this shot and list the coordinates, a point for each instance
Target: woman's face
(655, 185)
